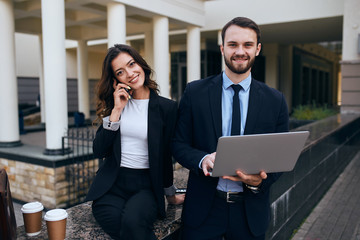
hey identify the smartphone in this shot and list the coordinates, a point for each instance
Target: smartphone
(126, 89)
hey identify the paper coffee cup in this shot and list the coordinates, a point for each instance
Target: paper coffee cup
(56, 224)
(32, 214)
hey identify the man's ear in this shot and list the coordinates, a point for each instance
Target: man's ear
(222, 49)
(258, 49)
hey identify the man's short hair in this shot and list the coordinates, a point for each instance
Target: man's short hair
(244, 23)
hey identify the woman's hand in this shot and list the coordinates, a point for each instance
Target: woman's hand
(176, 199)
(121, 97)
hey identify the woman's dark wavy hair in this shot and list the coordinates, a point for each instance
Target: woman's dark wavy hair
(105, 89)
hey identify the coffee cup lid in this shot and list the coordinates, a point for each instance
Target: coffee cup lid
(32, 207)
(55, 215)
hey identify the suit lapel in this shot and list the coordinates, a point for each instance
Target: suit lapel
(215, 92)
(255, 102)
(154, 127)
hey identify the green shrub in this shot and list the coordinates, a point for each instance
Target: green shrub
(311, 112)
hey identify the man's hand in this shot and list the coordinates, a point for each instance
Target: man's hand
(250, 179)
(208, 163)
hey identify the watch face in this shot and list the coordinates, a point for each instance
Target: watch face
(181, 190)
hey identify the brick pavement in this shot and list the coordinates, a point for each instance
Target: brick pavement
(337, 215)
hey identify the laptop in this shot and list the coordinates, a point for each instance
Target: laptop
(273, 152)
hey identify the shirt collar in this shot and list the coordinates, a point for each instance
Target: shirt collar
(245, 84)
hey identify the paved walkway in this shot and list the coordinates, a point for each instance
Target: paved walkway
(337, 215)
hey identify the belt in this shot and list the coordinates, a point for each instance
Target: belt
(230, 197)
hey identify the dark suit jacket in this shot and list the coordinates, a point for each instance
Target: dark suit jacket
(198, 128)
(161, 125)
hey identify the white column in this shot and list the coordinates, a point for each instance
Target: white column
(9, 120)
(271, 53)
(351, 30)
(222, 57)
(161, 54)
(83, 81)
(41, 81)
(193, 61)
(350, 64)
(285, 72)
(53, 29)
(149, 48)
(116, 23)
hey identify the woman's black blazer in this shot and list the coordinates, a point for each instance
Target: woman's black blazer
(161, 124)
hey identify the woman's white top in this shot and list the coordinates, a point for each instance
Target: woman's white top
(134, 128)
(134, 144)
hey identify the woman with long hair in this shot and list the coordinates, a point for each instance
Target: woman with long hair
(134, 138)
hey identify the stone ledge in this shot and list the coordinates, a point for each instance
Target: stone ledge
(81, 224)
(357, 61)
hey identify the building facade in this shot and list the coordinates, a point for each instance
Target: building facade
(52, 51)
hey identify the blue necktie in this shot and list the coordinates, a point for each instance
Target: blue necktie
(235, 125)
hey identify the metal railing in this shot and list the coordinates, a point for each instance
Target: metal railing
(82, 166)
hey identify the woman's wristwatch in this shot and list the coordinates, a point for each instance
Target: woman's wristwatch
(254, 189)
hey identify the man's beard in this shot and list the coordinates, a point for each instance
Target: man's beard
(239, 69)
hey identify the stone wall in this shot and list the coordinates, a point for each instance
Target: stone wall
(350, 86)
(58, 187)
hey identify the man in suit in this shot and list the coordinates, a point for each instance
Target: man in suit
(230, 207)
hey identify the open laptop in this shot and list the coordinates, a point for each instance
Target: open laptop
(274, 152)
